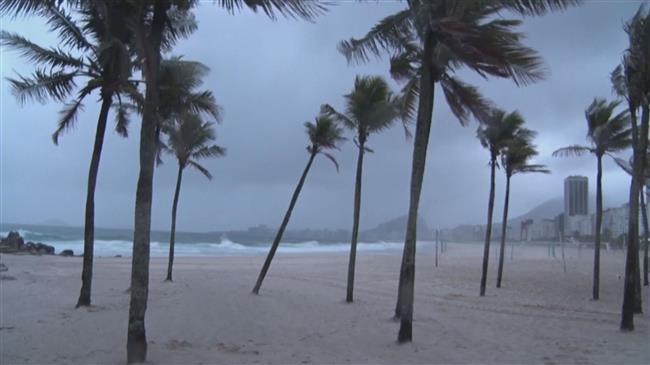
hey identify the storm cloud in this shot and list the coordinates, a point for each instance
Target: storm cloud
(271, 77)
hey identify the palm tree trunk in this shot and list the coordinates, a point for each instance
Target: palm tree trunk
(406, 290)
(136, 346)
(172, 236)
(599, 220)
(632, 258)
(646, 236)
(283, 226)
(504, 227)
(89, 223)
(355, 225)
(488, 229)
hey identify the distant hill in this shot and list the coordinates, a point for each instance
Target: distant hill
(394, 230)
(547, 210)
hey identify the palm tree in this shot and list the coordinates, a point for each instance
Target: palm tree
(434, 39)
(93, 50)
(515, 159)
(627, 167)
(495, 134)
(607, 133)
(324, 135)
(150, 22)
(630, 81)
(370, 108)
(189, 139)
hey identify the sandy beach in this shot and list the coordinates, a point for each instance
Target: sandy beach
(207, 315)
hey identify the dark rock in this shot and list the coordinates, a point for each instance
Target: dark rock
(13, 241)
(3, 268)
(118, 256)
(7, 277)
(67, 253)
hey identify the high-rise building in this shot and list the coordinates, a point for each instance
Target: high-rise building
(576, 207)
(576, 196)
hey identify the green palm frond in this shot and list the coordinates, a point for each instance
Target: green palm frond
(329, 110)
(43, 85)
(200, 168)
(181, 24)
(304, 9)
(574, 150)
(465, 100)
(25, 7)
(388, 35)
(209, 152)
(190, 139)
(70, 34)
(330, 157)
(537, 7)
(608, 132)
(324, 134)
(499, 129)
(53, 57)
(123, 110)
(68, 115)
(204, 102)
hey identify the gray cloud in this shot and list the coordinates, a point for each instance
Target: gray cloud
(271, 77)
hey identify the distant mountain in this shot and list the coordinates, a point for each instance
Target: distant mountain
(547, 210)
(394, 230)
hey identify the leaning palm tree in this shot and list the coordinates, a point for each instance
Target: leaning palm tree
(324, 135)
(434, 39)
(370, 108)
(515, 159)
(495, 134)
(93, 51)
(607, 133)
(150, 22)
(630, 81)
(643, 200)
(189, 138)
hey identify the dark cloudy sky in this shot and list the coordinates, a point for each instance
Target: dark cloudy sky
(271, 77)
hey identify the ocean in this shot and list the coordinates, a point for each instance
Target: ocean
(110, 242)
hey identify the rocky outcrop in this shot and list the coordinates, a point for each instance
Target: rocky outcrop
(14, 243)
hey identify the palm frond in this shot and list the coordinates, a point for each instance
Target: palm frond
(53, 57)
(387, 35)
(303, 9)
(537, 7)
(69, 33)
(526, 169)
(465, 100)
(24, 7)
(329, 110)
(68, 115)
(209, 152)
(204, 102)
(43, 85)
(201, 169)
(331, 158)
(574, 150)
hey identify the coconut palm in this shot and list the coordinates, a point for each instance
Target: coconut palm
(93, 52)
(434, 39)
(324, 135)
(150, 22)
(370, 108)
(627, 167)
(630, 81)
(497, 131)
(607, 133)
(189, 138)
(515, 159)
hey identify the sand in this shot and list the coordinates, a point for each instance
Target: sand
(207, 315)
